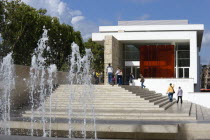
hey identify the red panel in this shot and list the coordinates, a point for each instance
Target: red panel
(157, 61)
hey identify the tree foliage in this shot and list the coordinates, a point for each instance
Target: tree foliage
(23, 27)
(98, 54)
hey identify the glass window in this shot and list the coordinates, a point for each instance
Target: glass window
(131, 53)
(186, 72)
(131, 48)
(183, 62)
(183, 54)
(180, 72)
(132, 56)
(183, 46)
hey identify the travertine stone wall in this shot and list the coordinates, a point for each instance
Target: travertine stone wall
(20, 95)
(112, 54)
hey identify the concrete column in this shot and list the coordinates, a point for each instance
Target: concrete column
(112, 54)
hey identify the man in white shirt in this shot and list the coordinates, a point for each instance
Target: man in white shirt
(109, 71)
(116, 75)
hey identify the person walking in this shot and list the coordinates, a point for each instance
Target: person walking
(142, 81)
(120, 76)
(116, 75)
(179, 95)
(170, 92)
(131, 77)
(109, 71)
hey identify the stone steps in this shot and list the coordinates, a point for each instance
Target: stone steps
(101, 102)
(106, 105)
(102, 99)
(121, 117)
(96, 96)
(113, 108)
(119, 113)
(112, 103)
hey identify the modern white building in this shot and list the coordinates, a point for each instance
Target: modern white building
(164, 51)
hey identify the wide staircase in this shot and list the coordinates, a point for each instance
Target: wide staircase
(121, 112)
(114, 103)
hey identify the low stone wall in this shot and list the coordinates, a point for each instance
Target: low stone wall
(20, 95)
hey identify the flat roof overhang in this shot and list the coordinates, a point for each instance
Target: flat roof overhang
(151, 29)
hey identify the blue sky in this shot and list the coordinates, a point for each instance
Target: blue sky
(108, 12)
(87, 15)
(114, 10)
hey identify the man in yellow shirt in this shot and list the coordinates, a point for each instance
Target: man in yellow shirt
(170, 92)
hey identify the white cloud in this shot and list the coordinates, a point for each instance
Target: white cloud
(86, 27)
(77, 19)
(206, 39)
(55, 8)
(60, 9)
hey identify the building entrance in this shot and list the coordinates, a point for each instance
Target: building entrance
(131, 69)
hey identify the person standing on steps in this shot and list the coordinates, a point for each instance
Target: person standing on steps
(142, 81)
(131, 77)
(116, 75)
(120, 76)
(179, 95)
(170, 92)
(109, 71)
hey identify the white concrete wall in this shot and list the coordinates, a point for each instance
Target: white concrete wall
(193, 71)
(201, 98)
(135, 28)
(187, 85)
(145, 36)
(160, 85)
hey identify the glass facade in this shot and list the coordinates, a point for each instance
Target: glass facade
(131, 53)
(157, 61)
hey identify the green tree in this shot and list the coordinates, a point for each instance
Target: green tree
(98, 54)
(23, 27)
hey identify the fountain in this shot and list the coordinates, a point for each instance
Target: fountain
(41, 78)
(7, 80)
(41, 87)
(79, 74)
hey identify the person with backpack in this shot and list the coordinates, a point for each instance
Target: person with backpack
(109, 71)
(170, 92)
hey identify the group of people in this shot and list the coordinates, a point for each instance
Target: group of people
(171, 91)
(119, 75)
(114, 77)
